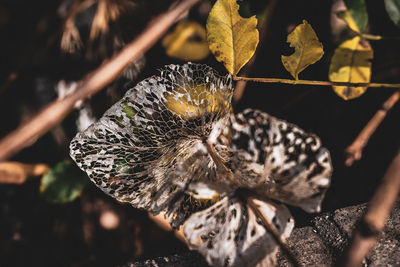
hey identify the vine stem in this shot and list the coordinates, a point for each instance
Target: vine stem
(92, 83)
(371, 225)
(354, 151)
(321, 83)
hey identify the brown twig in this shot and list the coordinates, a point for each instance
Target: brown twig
(373, 222)
(18, 173)
(321, 83)
(164, 224)
(52, 114)
(270, 228)
(241, 85)
(354, 151)
(11, 78)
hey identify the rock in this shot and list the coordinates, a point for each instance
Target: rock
(319, 244)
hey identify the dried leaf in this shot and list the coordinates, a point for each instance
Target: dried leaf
(393, 9)
(308, 49)
(351, 63)
(188, 42)
(63, 183)
(358, 11)
(108, 11)
(231, 38)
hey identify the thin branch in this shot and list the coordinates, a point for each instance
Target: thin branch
(373, 222)
(323, 83)
(55, 112)
(11, 78)
(269, 227)
(164, 224)
(354, 151)
(19, 173)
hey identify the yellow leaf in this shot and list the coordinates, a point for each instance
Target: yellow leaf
(347, 17)
(200, 101)
(351, 62)
(308, 49)
(231, 38)
(187, 42)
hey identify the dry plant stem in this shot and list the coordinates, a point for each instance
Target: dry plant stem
(18, 173)
(270, 229)
(241, 85)
(321, 83)
(92, 83)
(164, 224)
(11, 78)
(373, 222)
(354, 151)
(246, 196)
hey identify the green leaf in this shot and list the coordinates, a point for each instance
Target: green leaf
(231, 38)
(347, 17)
(351, 62)
(393, 9)
(357, 10)
(308, 49)
(63, 183)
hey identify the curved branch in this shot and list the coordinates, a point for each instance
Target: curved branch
(367, 232)
(55, 112)
(354, 151)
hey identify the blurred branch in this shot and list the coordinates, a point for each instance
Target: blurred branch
(241, 85)
(367, 232)
(164, 224)
(18, 173)
(11, 78)
(55, 112)
(354, 151)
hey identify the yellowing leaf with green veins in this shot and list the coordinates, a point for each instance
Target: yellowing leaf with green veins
(351, 62)
(231, 38)
(188, 42)
(347, 17)
(308, 49)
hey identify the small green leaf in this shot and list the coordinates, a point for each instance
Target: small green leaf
(63, 183)
(231, 38)
(393, 9)
(358, 11)
(308, 49)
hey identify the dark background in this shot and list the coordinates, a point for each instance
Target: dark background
(37, 233)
